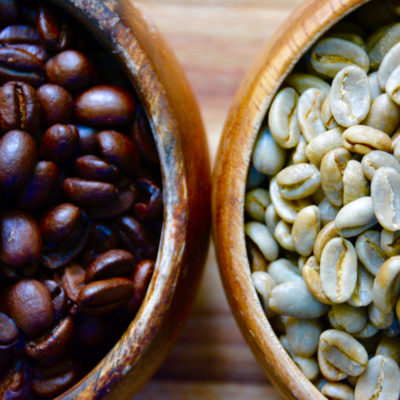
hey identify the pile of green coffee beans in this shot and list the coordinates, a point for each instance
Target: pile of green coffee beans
(323, 208)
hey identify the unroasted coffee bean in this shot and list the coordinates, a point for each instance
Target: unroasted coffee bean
(19, 107)
(21, 243)
(57, 104)
(104, 296)
(104, 105)
(110, 264)
(31, 306)
(59, 142)
(119, 150)
(18, 156)
(39, 187)
(70, 69)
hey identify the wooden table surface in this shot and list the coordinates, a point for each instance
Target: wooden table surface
(215, 41)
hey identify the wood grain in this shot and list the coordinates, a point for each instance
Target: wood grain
(216, 41)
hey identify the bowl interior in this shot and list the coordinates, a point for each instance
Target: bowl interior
(248, 111)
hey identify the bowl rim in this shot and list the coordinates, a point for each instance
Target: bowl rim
(281, 53)
(165, 94)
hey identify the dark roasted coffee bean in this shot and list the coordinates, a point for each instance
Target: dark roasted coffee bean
(119, 206)
(8, 332)
(141, 132)
(9, 12)
(103, 238)
(30, 306)
(105, 105)
(39, 187)
(70, 69)
(17, 64)
(52, 29)
(60, 223)
(16, 384)
(87, 193)
(21, 243)
(73, 280)
(87, 140)
(19, 107)
(18, 156)
(149, 204)
(141, 279)
(119, 150)
(57, 104)
(53, 342)
(19, 34)
(36, 50)
(51, 381)
(136, 238)
(65, 231)
(58, 297)
(105, 296)
(59, 142)
(110, 264)
(92, 167)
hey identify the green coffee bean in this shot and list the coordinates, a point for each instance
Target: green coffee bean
(328, 370)
(355, 185)
(337, 391)
(369, 251)
(389, 347)
(256, 202)
(264, 283)
(283, 235)
(303, 335)
(282, 270)
(362, 295)
(377, 159)
(323, 143)
(348, 318)
(328, 211)
(301, 82)
(261, 236)
(390, 242)
(362, 139)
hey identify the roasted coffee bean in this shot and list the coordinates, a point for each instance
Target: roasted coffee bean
(58, 297)
(59, 142)
(73, 280)
(86, 193)
(149, 203)
(87, 140)
(9, 332)
(104, 296)
(52, 30)
(110, 264)
(36, 50)
(94, 168)
(19, 107)
(21, 243)
(104, 105)
(39, 187)
(16, 383)
(119, 150)
(103, 238)
(31, 306)
(19, 34)
(71, 70)
(57, 104)
(18, 64)
(53, 342)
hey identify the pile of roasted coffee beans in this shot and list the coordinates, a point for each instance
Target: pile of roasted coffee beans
(81, 201)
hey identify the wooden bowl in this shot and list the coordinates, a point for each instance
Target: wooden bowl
(179, 134)
(284, 49)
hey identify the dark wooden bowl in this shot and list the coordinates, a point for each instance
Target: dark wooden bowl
(284, 49)
(179, 134)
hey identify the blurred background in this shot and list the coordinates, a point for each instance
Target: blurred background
(215, 41)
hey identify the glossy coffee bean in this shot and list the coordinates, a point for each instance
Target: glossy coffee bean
(149, 204)
(18, 64)
(39, 187)
(59, 142)
(18, 156)
(103, 238)
(57, 104)
(105, 105)
(110, 264)
(19, 107)
(94, 168)
(87, 193)
(8, 332)
(87, 140)
(35, 50)
(141, 279)
(53, 342)
(19, 34)
(105, 296)
(58, 297)
(31, 306)
(52, 29)
(117, 207)
(73, 280)
(21, 243)
(119, 150)
(60, 223)
(70, 69)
